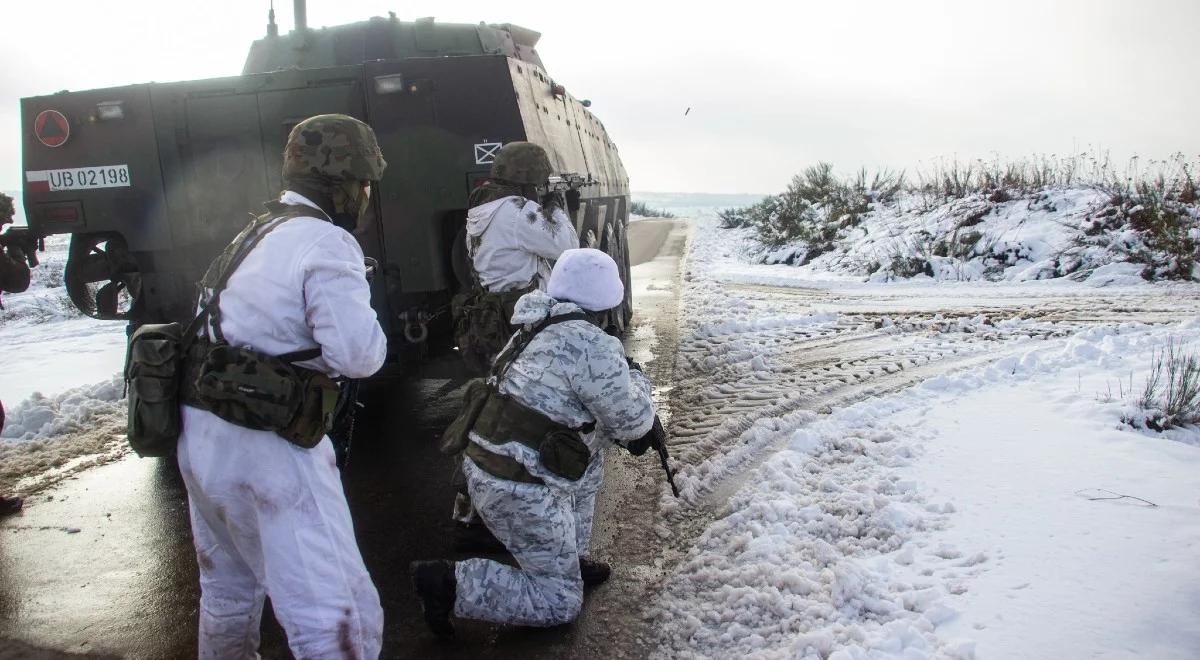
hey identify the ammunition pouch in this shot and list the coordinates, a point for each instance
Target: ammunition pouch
(455, 438)
(153, 370)
(481, 323)
(261, 392)
(502, 419)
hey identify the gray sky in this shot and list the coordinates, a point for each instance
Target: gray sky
(772, 86)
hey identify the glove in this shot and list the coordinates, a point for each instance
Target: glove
(653, 439)
(634, 365)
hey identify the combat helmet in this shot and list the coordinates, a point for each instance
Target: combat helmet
(522, 163)
(337, 147)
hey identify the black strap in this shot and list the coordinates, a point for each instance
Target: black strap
(246, 240)
(522, 338)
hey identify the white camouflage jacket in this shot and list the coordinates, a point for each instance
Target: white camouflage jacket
(510, 240)
(574, 373)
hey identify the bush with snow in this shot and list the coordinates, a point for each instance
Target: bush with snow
(1035, 221)
(1170, 396)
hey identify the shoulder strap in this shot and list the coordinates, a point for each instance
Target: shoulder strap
(222, 268)
(522, 338)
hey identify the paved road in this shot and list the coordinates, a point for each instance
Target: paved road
(103, 564)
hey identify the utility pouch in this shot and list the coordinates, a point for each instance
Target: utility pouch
(456, 436)
(153, 367)
(564, 454)
(250, 389)
(481, 324)
(317, 409)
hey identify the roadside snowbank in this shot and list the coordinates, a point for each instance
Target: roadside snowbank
(1078, 232)
(936, 521)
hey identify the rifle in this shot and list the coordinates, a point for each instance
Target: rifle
(26, 240)
(658, 440)
(562, 190)
(569, 181)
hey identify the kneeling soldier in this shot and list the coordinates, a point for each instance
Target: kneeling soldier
(560, 392)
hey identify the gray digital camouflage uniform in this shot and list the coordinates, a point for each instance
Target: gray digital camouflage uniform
(573, 373)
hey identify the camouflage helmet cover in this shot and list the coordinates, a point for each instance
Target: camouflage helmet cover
(522, 163)
(335, 146)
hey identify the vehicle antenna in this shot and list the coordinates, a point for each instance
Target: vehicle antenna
(272, 29)
(301, 14)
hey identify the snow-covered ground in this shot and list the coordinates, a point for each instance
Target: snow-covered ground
(1081, 232)
(915, 470)
(58, 378)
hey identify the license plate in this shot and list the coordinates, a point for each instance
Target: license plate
(78, 178)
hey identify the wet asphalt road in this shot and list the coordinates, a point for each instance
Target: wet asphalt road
(103, 565)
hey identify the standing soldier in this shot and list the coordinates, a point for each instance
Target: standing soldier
(559, 392)
(269, 517)
(513, 241)
(14, 278)
(14, 269)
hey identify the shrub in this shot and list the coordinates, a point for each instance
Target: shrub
(1170, 396)
(644, 210)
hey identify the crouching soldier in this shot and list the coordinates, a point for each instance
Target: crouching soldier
(559, 393)
(269, 516)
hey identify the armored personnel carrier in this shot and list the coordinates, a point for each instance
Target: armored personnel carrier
(152, 180)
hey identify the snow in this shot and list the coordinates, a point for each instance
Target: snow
(58, 378)
(1034, 236)
(946, 519)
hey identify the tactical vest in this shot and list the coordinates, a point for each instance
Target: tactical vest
(500, 419)
(246, 387)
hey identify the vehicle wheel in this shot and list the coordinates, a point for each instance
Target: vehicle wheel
(615, 247)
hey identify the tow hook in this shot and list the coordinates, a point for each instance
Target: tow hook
(416, 326)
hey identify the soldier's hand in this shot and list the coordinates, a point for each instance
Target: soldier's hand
(634, 365)
(653, 439)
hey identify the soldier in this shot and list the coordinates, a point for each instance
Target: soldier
(14, 278)
(14, 271)
(562, 392)
(270, 517)
(513, 241)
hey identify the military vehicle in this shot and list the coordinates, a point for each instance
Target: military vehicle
(152, 180)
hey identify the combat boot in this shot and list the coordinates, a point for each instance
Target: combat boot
(436, 586)
(593, 572)
(9, 505)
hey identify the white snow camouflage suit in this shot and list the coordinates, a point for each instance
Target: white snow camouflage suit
(512, 243)
(573, 373)
(268, 517)
(510, 240)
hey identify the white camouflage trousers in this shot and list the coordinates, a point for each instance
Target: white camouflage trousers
(546, 529)
(269, 518)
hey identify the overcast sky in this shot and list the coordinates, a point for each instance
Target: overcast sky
(772, 86)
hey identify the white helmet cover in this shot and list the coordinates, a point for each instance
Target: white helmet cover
(587, 277)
